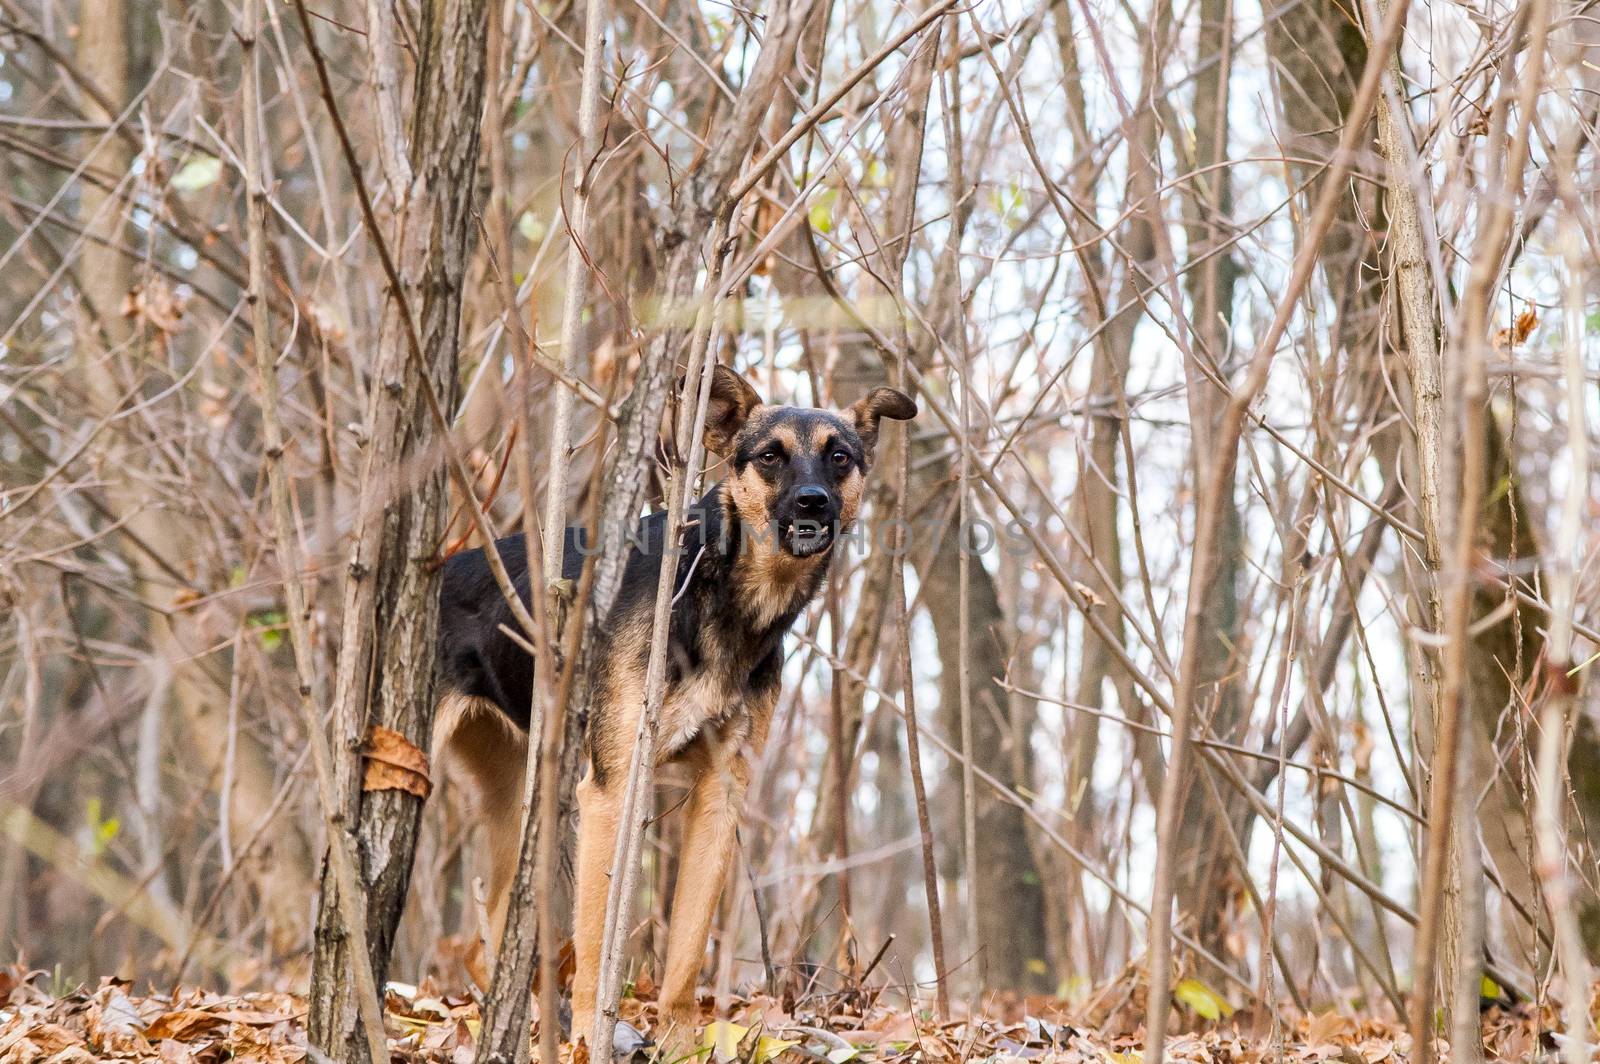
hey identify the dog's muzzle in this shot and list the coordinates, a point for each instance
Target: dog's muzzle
(809, 527)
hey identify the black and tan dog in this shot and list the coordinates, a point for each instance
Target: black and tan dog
(752, 559)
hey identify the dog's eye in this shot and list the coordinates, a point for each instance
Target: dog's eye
(769, 458)
(841, 458)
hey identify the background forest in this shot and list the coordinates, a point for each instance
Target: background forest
(1258, 352)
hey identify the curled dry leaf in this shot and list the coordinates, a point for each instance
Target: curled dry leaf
(394, 763)
(156, 304)
(183, 1024)
(1521, 328)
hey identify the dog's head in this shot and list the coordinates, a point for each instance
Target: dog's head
(796, 474)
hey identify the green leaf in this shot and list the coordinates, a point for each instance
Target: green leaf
(843, 1053)
(1488, 988)
(1008, 201)
(821, 213)
(101, 830)
(198, 173)
(1202, 1000)
(269, 625)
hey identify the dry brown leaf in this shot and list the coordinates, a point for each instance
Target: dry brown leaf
(183, 1024)
(53, 1038)
(155, 303)
(1521, 328)
(245, 1042)
(1328, 1027)
(393, 763)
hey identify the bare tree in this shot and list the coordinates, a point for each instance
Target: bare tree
(1237, 326)
(386, 661)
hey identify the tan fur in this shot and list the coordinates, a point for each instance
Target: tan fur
(471, 735)
(850, 492)
(767, 578)
(708, 726)
(719, 760)
(752, 497)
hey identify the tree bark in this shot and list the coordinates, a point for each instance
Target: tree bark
(386, 666)
(1012, 928)
(1204, 860)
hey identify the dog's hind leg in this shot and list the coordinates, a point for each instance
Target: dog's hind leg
(711, 823)
(599, 815)
(479, 740)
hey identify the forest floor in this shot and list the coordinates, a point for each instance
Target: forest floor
(115, 1022)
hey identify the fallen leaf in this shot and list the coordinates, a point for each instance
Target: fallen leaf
(183, 1024)
(722, 1039)
(173, 1051)
(52, 1038)
(1328, 1027)
(116, 1014)
(768, 1048)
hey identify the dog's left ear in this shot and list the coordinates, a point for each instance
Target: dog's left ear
(878, 404)
(731, 401)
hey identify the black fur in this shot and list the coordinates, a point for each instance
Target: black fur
(476, 658)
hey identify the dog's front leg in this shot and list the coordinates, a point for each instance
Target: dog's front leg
(599, 814)
(709, 837)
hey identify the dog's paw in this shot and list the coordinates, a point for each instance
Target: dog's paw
(675, 1040)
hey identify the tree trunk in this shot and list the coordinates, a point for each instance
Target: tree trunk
(1096, 501)
(1013, 936)
(1204, 862)
(386, 666)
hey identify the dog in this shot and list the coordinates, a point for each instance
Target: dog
(753, 556)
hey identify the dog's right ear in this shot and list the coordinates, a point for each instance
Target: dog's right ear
(732, 399)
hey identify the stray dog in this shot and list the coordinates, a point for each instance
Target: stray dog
(751, 560)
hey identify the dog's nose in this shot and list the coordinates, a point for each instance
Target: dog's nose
(811, 500)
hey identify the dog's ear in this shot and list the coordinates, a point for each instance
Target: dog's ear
(731, 401)
(878, 404)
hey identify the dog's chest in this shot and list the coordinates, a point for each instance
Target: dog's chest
(700, 700)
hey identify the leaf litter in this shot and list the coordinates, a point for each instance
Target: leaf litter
(196, 1026)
